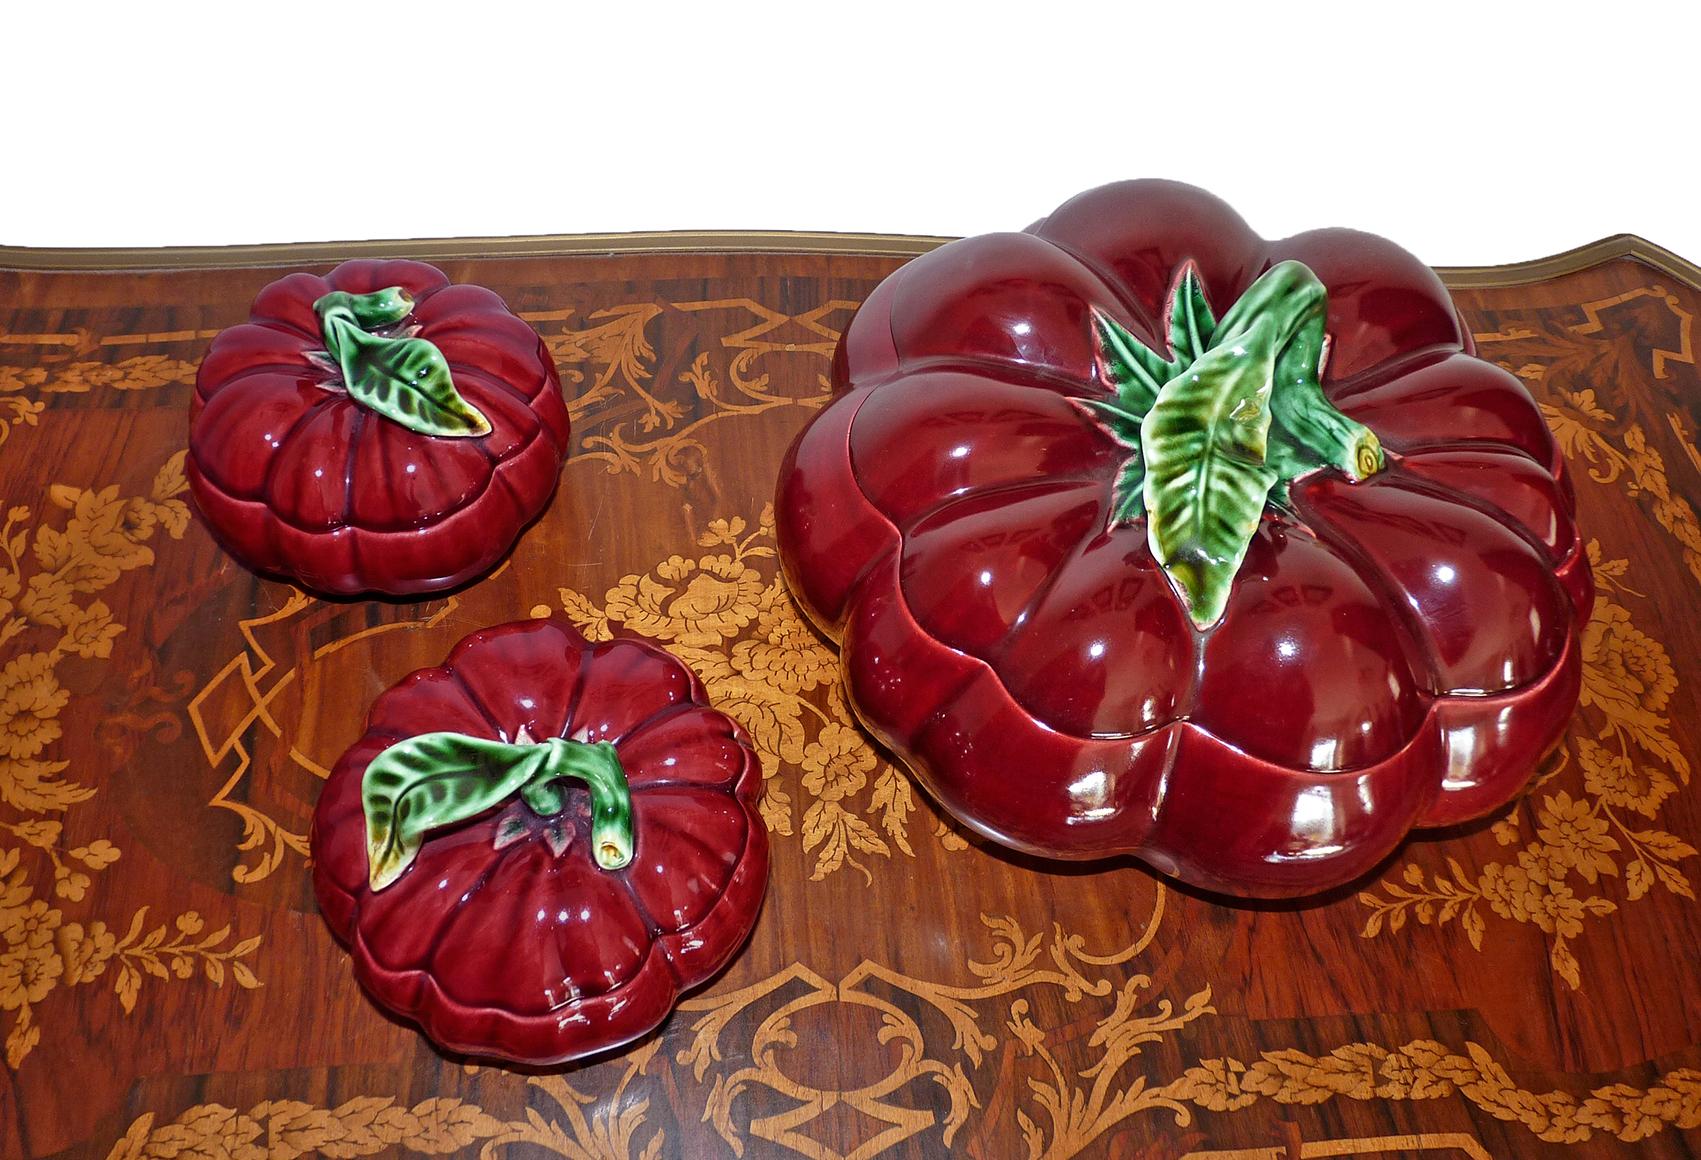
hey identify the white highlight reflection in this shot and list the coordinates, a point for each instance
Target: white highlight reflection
(1324, 751)
(1091, 791)
(1314, 823)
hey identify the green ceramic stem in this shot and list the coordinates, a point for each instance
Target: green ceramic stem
(434, 780)
(369, 311)
(1224, 425)
(598, 767)
(404, 378)
(1307, 430)
(1276, 330)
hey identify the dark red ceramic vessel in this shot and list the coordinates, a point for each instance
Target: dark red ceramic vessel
(504, 937)
(1396, 652)
(298, 479)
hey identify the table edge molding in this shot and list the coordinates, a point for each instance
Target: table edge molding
(136, 259)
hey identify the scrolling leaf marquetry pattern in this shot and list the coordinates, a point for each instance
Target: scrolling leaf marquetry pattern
(1426, 1070)
(18, 384)
(608, 362)
(379, 1125)
(1063, 1112)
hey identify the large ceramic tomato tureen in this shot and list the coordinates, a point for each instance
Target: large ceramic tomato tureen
(1142, 534)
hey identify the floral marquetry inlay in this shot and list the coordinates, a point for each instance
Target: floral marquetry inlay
(58, 932)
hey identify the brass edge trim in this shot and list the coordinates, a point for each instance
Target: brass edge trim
(447, 249)
(44, 259)
(1573, 261)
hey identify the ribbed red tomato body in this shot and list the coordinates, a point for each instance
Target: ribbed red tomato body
(297, 479)
(1397, 652)
(516, 949)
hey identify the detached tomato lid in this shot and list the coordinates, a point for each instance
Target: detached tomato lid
(1144, 534)
(538, 846)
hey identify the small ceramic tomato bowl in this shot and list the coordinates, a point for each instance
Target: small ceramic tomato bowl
(539, 845)
(1142, 534)
(378, 429)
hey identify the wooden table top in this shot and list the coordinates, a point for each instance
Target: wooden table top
(167, 988)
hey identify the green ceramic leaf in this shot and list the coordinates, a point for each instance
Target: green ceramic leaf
(408, 380)
(1136, 370)
(1223, 426)
(404, 378)
(1128, 496)
(1190, 321)
(1206, 479)
(1138, 373)
(431, 781)
(441, 779)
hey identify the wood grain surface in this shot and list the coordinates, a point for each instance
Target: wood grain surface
(167, 989)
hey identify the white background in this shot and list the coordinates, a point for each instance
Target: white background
(1472, 133)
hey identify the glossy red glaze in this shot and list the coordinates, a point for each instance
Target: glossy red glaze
(1396, 653)
(297, 479)
(519, 952)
